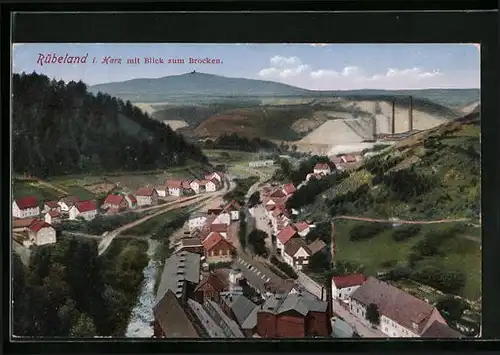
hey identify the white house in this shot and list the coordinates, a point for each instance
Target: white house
(41, 233)
(131, 200)
(322, 169)
(233, 208)
(162, 190)
(67, 202)
(25, 207)
(401, 314)
(52, 216)
(344, 286)
(50, 206)
(195, 186)
(197, 221)
(223, 218)
(260, 163)
(146, 196)
(211, 186)
(303, 228)
(215, 175)
(175, 188)
(84, 209)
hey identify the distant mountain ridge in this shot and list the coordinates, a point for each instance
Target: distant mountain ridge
(195, 86)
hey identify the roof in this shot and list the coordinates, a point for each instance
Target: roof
(160, 188)
(27, 202)
(203, 182)
(215, 280)
(172, 318)
(174, 184)
(316, 246)
(213, 239)
(349, 280)
(301, 226)
(322, 166)
(277, 193)
(259, 277)
(286, 234)
(186, 184)
(342, 329)
(231, 330)
(54, 214)
(289, 189)
(215, 211)
(349, 158)
(37, 225)
(294, 245)
(302, 302)
(232, 206)
(145, 191)
(113, 199)
(240, 306)
(440, 330)
(85, 206)
(180, 267)
(251, 321)
(132, 198)
(23, 222)
(51, 204)
(218, 227)
(69, 200)
(394, 303)
(190, 242)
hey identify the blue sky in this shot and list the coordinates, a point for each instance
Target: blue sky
(311, 66)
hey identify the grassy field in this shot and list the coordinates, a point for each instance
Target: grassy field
(24, 188)
(80, 192)
(229, 156)
(376, 253)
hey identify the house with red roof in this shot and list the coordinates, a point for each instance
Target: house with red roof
(52, 216)
(25, 207)
(344, 286)
(215, 175)
(277, 193)
(67, 202)
(84, 209)
(220, 228)
(280, 217)
(195, 186)
(41, 233)
(218, 249)
(51, 205)
(223, 218)
(322, 169)
(174, 187)
(283, 237)
(22, 224)
(115, 202)
(303, 228)
(146, 196)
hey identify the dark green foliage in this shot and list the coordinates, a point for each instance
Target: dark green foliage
(235, 142)
(60, 129)
(347, 267)
(257, 240)
(405, 232)
(99, 224)
(319, 262)
(68, 291)
(296, 176)
(306, 194)
(435, 275)
(451, 307)
(372, 314)
(284, 267)
(323, 231)
(367, 230)
(408, 184)
(241, 189)
(242, 231)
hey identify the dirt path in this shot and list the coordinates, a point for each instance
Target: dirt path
(400, 221)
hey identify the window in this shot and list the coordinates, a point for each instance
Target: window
(385, 329)
(340, 295)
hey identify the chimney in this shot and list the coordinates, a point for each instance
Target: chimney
(410, 114)
(393, 122)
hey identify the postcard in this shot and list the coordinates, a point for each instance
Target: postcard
(246, 190)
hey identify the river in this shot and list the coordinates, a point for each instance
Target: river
(142, 314)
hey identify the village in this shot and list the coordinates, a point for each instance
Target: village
(212, 286)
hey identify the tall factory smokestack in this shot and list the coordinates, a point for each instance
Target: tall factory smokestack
(374, 128)
(393, 122)
(410, 114)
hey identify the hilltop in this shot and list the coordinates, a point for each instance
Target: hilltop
(60, 128)
(202, 88)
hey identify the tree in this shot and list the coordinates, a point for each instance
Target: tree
(373, 315)
(319, 262)
(254, 199)
(257, 239)
(451, 307)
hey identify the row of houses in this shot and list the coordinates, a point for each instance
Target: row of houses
(194, 303)
(400, 314)
(291, 245)
(211, 183)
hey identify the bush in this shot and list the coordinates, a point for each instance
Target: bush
(405, 232)
(367, 231)
(449, 281)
